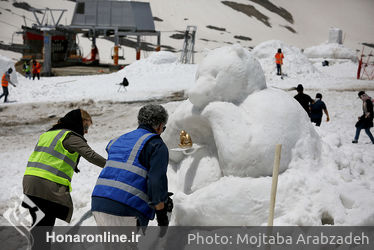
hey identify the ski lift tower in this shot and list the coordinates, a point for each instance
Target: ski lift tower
(187, 55)
(48, 27)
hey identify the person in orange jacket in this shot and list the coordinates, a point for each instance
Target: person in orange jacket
(36, 67)
(5, 80)
(279, 61)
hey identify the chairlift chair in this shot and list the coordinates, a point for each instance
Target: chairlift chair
(121, 53)
(123, 84)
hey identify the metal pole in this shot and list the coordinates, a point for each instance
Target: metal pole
(158, 48)
(138, 48)
(116, 47)
(274, 183)
(47, 65)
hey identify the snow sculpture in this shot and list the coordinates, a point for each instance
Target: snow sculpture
(231, 81)
(239, 121)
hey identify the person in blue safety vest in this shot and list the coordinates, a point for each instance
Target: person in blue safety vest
(133, 185)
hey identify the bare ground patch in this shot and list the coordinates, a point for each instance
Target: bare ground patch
(289, 28)
(249, 10)
(215, 28)
(18, 119)
(244, 38)
(25, 6)
(275, 9)
(178, 36)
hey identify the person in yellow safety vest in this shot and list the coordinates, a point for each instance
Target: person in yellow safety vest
(27, 69)
(5, 80)
(50, 168)
(279, 61)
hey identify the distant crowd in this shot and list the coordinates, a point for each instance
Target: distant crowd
(36, 68)
(316, 107)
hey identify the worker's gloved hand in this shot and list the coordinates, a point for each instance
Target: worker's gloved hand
(162, 217)
(169, 203)
(162, 221)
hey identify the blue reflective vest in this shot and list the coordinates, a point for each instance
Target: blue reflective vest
(123, 178)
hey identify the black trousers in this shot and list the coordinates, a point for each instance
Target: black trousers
(36, 74)
(51, 211)
(5, 93)
(317, 121)
(279, 69)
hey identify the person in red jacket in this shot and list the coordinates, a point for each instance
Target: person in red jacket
(36, 67)
(279, 61)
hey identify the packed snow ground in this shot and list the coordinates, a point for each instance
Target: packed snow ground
(328, 178)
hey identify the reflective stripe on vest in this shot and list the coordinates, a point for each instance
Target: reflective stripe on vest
(50, 160)
(48, 168)
(110, 186)
(127, 166)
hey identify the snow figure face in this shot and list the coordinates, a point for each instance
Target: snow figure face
(227, 74)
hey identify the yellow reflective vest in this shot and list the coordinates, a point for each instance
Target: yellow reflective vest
(51, 161)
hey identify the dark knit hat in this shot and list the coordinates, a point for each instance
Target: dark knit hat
(300, 87)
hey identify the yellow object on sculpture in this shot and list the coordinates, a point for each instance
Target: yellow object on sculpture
(185, 140)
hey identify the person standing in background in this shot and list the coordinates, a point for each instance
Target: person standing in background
(5, 80)
(279, 61)
(27, 69)
(304, 99)
(316, 109)
(366, 120)
(36, 68)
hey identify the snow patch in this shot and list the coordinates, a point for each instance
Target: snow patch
(331, 50)
(295, 63)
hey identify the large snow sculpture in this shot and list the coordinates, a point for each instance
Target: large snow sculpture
(238, 121)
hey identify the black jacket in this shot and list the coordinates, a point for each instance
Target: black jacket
(366, 122)
(155, 157)
(305, 101)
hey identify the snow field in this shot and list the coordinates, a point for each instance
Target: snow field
(226, 182)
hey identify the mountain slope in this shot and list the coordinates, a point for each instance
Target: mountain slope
(300, 23)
